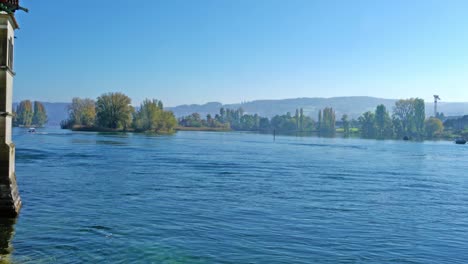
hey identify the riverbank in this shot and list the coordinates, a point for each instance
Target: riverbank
(354, 132)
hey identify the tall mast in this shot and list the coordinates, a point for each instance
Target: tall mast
(436, 98)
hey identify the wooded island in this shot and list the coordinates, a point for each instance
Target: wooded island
(113, 112)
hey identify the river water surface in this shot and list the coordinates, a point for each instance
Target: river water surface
(201, 197)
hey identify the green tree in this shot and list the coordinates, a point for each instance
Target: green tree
(248, 123)
(397, 125)
(148, 116)
(284, 123)
(434, 127)
(367, 123)
(403, 113)
(169, 122)
(193, 120)
(308, 124)
(419, 116)
(88, 112)
(301, 120)
(345, 121)
(296, 117)
(264, 124)
(319, 120)
(353, 123)
(383, 122)
(24, 113)
(222, 114)
(328, 120)
(39, 116)
(237, 119)
(81, 112)
(209, 121)
(409, 116)
(257, 121)
(113, 110)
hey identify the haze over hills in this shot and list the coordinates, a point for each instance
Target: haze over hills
(352, 106)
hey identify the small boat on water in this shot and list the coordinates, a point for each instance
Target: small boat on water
(32, 130)
(460, 141)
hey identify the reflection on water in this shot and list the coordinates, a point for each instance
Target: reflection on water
(111, 142)
(113, 134)
(7, 230)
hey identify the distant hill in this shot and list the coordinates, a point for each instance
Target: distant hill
(184, 110)
(56, 112)
(353, 106)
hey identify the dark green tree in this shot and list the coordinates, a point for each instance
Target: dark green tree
(264, 124)
(419, 116)
(296, 117)
(248, 123)
(383, 122)
(222, 114)
(345, 121)
(308, 124)
(328, 120)
(209, 121)
(284, 123)
(301, 120)
(367, 122)
(113, 110)
(319, 120)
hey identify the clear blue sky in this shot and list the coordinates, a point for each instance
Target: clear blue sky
(184, 51)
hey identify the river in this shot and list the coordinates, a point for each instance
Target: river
(215, 197)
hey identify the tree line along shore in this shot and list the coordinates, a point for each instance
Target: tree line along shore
(29, 114)
(406, 121)
(113, 112)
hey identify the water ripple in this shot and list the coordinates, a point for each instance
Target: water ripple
(237, 198)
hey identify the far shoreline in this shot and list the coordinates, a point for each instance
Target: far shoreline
(209, 129)
(338, 134)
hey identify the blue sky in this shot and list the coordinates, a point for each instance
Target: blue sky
(197, 51)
